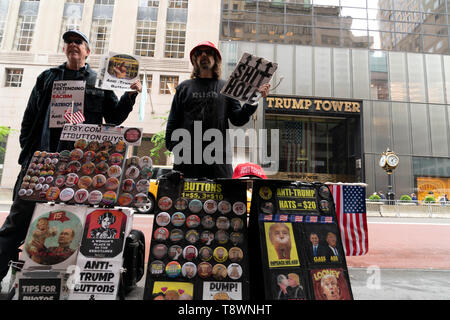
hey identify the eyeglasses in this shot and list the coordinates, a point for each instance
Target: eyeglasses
(199, 52)
(76, 41)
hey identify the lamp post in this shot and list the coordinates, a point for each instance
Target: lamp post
(388, 162)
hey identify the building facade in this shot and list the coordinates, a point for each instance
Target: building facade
(159, 32)
(390, 57)
(354, 76)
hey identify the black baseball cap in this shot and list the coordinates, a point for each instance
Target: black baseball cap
(75, 32)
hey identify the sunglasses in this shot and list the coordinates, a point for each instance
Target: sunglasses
(76, 41)
(199, 52)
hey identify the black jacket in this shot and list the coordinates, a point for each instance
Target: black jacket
(98, 105)
(200, 100)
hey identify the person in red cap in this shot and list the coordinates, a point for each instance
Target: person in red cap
(198, 101)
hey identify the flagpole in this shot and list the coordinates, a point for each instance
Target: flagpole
(71, 115)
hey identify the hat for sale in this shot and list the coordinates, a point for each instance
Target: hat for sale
(248, 170)
(75, 32)
(205, 44)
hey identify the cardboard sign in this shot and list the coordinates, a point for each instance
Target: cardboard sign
(67, 94)
(330, 284)
(95, 279)
(281, 247)
(222, 291)
(39, 289)
(53, 237)
(250, 73)
(117, 72)
(104, 233)
(93, 132)
(165, 290)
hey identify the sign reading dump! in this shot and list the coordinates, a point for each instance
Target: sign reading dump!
(250, 73)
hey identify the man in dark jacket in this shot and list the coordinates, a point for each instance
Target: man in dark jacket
(198, 103)
(36, 134)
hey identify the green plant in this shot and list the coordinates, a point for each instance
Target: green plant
(405, 197)
(429, 199)
(374, 197)
(159, 141)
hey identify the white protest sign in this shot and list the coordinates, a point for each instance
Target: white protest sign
(66, 94)
(117, 72)
(222, 290)
(94, 279)
(250, 73)
(94, 132)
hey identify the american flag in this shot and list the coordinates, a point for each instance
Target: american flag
(352, 219)
(77, 117)
(293, 146)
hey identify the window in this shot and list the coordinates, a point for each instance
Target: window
(3, 140)
(73, 12)
(13, 77)
(182, 4)
(149, 3)
(3, 16)
(145, 38)
(100, 32)
(149, 81)
(105, 2)
(175, 40)
(24, 33)
(167, 84)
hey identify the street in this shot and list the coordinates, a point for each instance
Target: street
(408, 259)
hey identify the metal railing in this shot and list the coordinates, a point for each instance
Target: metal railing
(412, 208)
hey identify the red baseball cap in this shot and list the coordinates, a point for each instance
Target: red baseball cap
(249, 170)
(205, 44)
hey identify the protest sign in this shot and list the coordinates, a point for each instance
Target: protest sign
(39, 289)
(250, 73)
(117, 72)
(66, 95)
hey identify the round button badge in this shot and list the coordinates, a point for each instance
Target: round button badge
(159, 251)
(81, 196)
(208, 222)
(175, 252)
(71, 179)
(173, 269)
(98, 181)
(157, 268)
(237, 224)
(95, 197)
(89, 156)
(210, 206)
(93, 146)
(165, 203)
(116, 159)
(178, 219)
(125, 199)
(190, 252)
(176, 235)
(81, 144)
(219, 271)
(324, 192)
(239, 208)
(162, 219)
(66, 194)
(84, 182)
(109, 198)
(181, 204)
(101, 167)
(143, 185)
(189, 270)
(195, 206)
(220, 254)
(161, 234)
(235, 254)
(101, 156)
(193, 221)
(207, 237)
(192, 236)
(112, 184)
(140, 200)
(224, 207)
(52, 193)
(204, 270)
(88, 168)
(128, 185)
(114, 171)
(234, 271)
(222, 223)
(145, 161)
(76, 154)
(205, 253)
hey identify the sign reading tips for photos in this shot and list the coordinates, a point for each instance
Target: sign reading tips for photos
(250, 73)
(117, 72)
